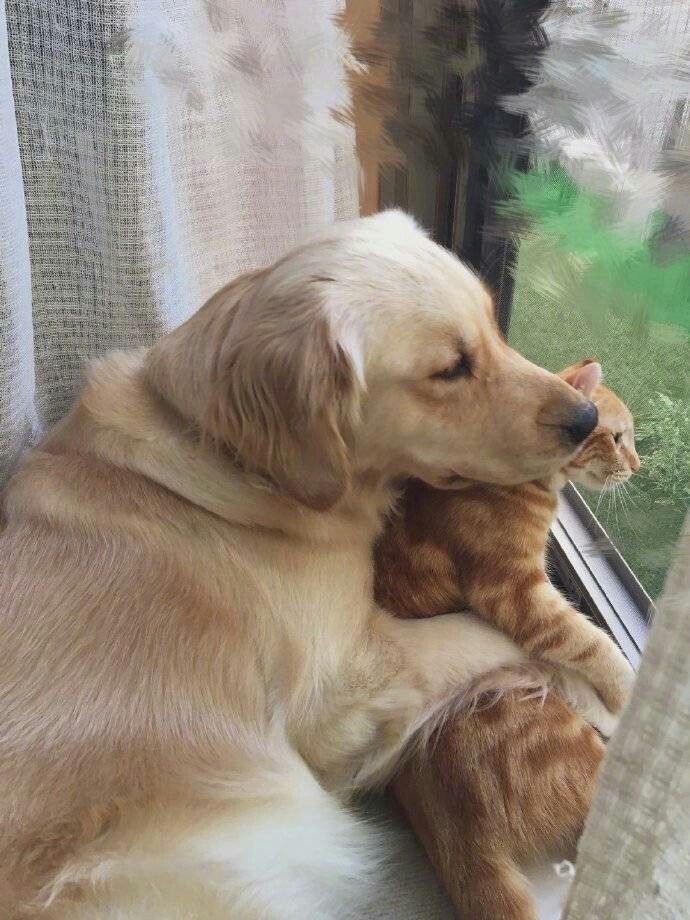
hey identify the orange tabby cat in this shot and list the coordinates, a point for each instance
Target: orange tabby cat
(515, 779)
(496, 789)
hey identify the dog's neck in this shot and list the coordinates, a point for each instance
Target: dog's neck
(119, 418)
(553, 484)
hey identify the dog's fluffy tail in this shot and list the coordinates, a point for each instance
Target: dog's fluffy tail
(531, 678)
(279, 847)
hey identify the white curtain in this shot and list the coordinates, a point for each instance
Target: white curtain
(149, 151)
(634, 857)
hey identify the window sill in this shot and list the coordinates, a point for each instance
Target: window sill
(594, 574)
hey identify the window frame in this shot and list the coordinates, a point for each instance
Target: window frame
(590, 569)
(584, 560)
(460, 202)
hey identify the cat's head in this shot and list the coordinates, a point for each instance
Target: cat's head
(608, 456)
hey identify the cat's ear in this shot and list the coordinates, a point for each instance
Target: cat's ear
(584, 376)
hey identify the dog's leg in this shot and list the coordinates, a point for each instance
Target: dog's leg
(276, 846)
(432, 664)
(584, 699)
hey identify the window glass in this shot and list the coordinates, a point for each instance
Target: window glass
(587, 289)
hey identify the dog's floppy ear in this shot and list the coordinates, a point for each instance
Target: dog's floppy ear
(282, 393)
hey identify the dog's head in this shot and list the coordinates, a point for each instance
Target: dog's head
(369, 350)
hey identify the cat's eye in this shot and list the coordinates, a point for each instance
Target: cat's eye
(461, 368)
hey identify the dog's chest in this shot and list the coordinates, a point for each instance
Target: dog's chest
(317, 599)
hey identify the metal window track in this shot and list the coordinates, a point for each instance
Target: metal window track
(594, 573)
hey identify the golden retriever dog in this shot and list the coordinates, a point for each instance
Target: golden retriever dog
(194, 673)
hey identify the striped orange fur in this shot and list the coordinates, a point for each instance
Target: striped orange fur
(515, 779)
(497, 788)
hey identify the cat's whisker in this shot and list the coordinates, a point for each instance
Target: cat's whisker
(628, 489)
(625, 500)
(612, 503)
(620, 490)
(634, 490)
(632, 507)
(633, 499)
(608, 508)
(600, 497)
(622, 503)
(622, 507)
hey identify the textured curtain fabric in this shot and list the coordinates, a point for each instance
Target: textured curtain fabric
(634, 857)
(151, 150)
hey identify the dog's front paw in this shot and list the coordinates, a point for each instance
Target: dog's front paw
(614, 679)
(600, 718)
(585, 701)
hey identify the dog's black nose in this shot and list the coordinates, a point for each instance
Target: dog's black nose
(583, 422)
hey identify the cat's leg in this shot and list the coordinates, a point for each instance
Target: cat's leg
(498, 787)
(540, 620)
(458, 828)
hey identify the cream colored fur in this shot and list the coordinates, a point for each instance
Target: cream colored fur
(194, 675)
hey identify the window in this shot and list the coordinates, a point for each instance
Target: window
(572, 274)
(564, 307)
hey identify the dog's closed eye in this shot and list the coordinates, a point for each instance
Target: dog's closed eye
(460, 368)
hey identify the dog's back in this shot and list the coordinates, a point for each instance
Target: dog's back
(124, 773)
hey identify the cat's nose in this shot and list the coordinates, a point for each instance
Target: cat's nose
(582, 422)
